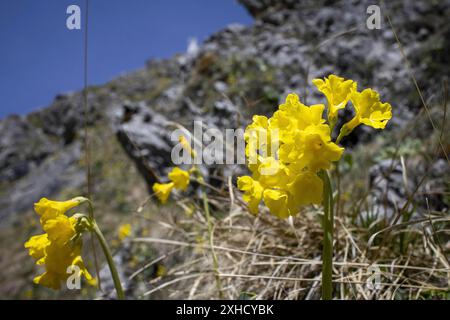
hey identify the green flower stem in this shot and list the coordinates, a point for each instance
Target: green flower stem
(347, 129)
(211, 244)
(339, 138)
(109, 259)
(328, 226)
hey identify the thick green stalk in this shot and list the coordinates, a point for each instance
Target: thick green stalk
(109, 259)
(328, 226)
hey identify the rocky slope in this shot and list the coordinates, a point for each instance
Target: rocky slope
(237, 72)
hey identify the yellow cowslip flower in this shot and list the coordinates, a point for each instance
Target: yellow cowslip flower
(259, 139)
(60, 229)
(36, 246)
(260, 142)
(272, 173)
(57, 264)
(288, 150)
(252, 192)
(162, 191)
(306, 188)
(124, 231)
(62, 252)
(312, 149)
(369, 110)
(57, 250)
(293, 116)
(180, 178)
(338, 92)
(48, 209)
(317, 151)
(280, 203)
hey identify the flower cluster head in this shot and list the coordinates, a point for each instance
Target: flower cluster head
(286, 152)
(179, 179)
(60, 246)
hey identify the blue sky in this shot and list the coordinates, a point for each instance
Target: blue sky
(40, 57)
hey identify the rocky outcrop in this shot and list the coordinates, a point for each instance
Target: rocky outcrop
(22, 147)
(145, 136)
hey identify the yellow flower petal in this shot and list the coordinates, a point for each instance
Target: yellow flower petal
(252, 192)
(278, 203)
(259, 139)
(36, 246)
(162, 191)
(272, 173)
(48, 209)
(180, 178)
(317, 149)
(58, 258)
(78, 261)
(338, 91)
(60, 230)
(293, 116)
(370, 110)
(307, 188)
(49, 280)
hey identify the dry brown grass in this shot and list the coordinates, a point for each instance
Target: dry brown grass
(267, 258)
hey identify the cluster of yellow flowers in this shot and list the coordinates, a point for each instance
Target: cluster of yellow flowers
(285, 177)
(60, 246)
(179, 179)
